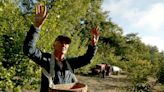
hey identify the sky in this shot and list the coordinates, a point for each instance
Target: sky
(145, 17)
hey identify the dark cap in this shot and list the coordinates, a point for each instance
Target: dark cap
(63, 38)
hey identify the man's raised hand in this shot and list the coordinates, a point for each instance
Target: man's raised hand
(95, 36)
(40, 15)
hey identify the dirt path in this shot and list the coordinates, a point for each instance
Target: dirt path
(114, 83)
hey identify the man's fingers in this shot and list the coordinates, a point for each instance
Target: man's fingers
(45, 17)
(38, 6)
(95, 31)
(97, 27)
(45, 11)
(98, 30)
(95, 35)
(36, 10)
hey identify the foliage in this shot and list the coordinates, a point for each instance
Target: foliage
(139, 71)
(15, 68)
(160, 73)
(74, 19)
(142, 87)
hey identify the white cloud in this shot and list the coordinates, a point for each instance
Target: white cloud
(152, 18)
(120, 7)
(117, 7)
(143, 17)
(155, 41)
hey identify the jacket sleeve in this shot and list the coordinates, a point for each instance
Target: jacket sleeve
(29, 47)
(83, 60)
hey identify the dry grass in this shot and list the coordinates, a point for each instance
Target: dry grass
(114, 83)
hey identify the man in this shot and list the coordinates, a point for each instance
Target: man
(56, 68)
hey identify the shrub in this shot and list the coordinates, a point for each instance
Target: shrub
(160, 73)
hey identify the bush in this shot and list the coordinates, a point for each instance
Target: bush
(160, 73)
(139, 71)
(142, 87)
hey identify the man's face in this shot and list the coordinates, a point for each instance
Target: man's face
(61, 47)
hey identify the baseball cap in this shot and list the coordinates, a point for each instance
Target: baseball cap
(63, 38)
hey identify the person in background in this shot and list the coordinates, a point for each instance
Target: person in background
(56, 68)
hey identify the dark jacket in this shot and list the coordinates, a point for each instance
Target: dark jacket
(43, 59)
